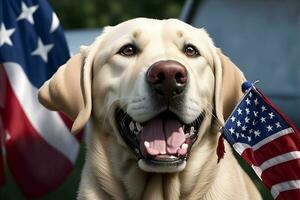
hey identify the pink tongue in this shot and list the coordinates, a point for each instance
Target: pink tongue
(161, 136)
(174, 135)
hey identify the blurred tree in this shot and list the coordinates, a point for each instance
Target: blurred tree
(98, 13)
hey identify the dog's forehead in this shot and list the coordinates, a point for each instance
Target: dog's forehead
(145, 26)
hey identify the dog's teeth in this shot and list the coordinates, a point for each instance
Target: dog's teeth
(138, 126)
(184, 146)
(192, 130)
(131, 126)
(163, 152)
(147, 144)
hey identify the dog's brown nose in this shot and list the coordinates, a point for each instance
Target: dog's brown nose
(168, 78)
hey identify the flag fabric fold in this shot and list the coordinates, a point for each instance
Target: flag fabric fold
(268, 141)
(40, 151)
(2, 130)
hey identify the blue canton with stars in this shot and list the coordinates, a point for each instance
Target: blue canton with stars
(252, 120)
(30, 35)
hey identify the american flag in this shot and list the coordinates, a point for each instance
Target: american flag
(36, 143)
(268, 141)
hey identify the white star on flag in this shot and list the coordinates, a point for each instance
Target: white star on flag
(247, 111)
(5, 35)
(262, 119)
(244, 128)
(231, 130)
(27, 12)
(256, 101)
(256, 133)
(270, 128)
(254, 122)
(238, 123)
(249, 138)
(255, 113)
(263, 108)
(247, 120)
(42, 50)
(271, 115)
(239, 111)
(248, 101)
(232, 118)
(277, 125)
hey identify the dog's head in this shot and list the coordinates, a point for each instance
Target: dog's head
(152, 83)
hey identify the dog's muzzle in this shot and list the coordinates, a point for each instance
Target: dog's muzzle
(163, 143)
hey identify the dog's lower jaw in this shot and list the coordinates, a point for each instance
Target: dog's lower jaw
(143, 165)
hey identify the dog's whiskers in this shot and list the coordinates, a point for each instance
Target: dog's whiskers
(209, 111)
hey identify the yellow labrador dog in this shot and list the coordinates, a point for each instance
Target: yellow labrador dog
(154, 92)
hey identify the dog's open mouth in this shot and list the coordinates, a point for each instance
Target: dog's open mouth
(163, 143)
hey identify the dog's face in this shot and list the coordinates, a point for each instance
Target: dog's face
(158, 76)
(152, 81)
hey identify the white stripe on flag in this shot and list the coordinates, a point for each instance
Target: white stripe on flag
(272, 137)
(280, 159)
(240, 147)
(257, 170)
(54, 131)
(284, 186)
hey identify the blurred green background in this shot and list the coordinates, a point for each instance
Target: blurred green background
(75, 14)
(79, 14)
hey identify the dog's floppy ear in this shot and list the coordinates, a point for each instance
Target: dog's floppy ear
(69, 91)
(227, 86)
(70, 88)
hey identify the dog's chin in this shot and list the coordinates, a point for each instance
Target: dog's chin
(162, 144)
(167, 167)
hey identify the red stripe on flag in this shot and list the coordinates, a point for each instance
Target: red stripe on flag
(69, 124)
(2, 135)
(281, 173)
(289, 195)
(249, 156)
(281, 145)
(37, 167)
(3, 82)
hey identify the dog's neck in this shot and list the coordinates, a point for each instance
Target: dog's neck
(119, 174)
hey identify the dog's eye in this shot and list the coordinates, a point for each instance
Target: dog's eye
(191, 51)
(128, 50)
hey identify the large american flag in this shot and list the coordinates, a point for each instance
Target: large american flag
(268, 141)
(36, 143)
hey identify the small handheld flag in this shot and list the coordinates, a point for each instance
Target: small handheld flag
(268, 141)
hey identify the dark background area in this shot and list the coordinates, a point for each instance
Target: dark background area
(76, 14)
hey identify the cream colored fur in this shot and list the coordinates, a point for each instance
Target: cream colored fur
(93, 83)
